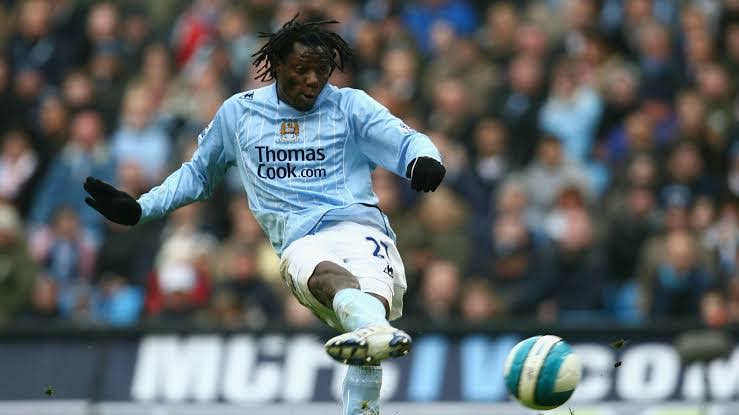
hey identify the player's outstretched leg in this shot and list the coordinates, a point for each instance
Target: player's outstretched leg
(361, 390)
(369, 338)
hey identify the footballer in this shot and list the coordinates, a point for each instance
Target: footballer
(305, 151)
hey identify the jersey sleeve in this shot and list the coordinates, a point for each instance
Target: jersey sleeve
(197, 178)
(384, 139)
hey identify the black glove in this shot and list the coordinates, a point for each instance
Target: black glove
(117, 206)
(425, 174)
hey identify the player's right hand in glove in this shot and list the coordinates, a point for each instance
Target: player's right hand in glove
(117, 206)
(425, 173)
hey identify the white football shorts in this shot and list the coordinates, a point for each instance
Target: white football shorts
(370, 255)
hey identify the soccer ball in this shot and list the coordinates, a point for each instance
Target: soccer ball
(542, 372)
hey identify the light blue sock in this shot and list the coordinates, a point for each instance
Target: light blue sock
(361, 390)
(356, 309)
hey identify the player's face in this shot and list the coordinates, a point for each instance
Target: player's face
(302, 76)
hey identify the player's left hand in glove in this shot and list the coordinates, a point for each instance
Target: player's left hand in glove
(425, 173)
(117, 206)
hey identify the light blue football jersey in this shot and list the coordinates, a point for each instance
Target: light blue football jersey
(300, 170)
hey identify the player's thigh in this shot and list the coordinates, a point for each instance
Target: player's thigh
(297, 264)
(372, 257)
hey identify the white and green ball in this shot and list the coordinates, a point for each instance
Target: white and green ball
(541, 372)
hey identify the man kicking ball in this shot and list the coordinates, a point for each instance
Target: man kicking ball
(305, 151)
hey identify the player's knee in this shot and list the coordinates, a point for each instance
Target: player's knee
(327, 279)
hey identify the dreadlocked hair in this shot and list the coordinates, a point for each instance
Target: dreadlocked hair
(280, 43)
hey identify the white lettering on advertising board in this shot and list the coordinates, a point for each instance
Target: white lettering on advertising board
(248, 369)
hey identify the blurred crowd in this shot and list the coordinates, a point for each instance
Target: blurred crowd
(591, 147)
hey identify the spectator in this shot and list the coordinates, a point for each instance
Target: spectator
(656, 61)
(368, 48)
(463, 61)
(627, 230)
(106, 73)
(103, 23)
(520, 268)
(459, 176)
(532, 40)
(116, 302)
(193, 28)
(498, 35)
(155, 76)
(43, 303)
(78, 91)
(490, 161)
(34, 29)
(714, 309)
(64, 250)
(441, 228)
(176, 293)
(423, 17)
(715, 86)
(18, 271)
(256, 301)
(693, 126)
(619, 91)
(679, 282)
(439, 291)
(548, 175)
(685, 167)
(576, 293)
(599, 62)
(86, 154)
(635, 135)
(245, 231)
(479, 303)
(136, 32)
(240, 42)
(579, 17)
(517, 103)
(51, 133)
(626, 233)
(399, 76)
(179, 287)
(639, 171)
(138, 139)
(571, 112)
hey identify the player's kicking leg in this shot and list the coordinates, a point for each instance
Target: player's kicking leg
(320, 270)
(369, 338)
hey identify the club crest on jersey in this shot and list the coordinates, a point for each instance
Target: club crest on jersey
(289, 131)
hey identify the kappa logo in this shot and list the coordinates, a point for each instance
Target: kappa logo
(389, 271)
(248, 95)
(289, 131)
